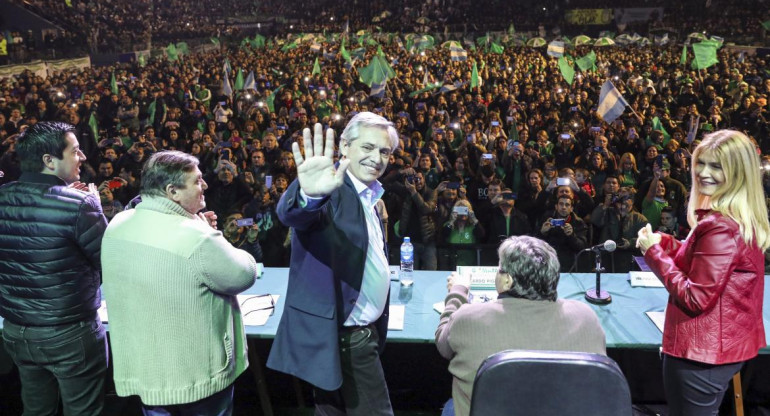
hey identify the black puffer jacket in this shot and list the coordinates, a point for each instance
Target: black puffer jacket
(50, 242)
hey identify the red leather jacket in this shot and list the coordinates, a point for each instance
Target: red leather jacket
(715, 284)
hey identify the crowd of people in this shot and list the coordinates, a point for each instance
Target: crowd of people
(523, 153)
(291, 151)
(90, 26)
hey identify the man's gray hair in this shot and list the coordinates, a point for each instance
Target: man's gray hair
(533, 265)
(166, 168)
(367, 119)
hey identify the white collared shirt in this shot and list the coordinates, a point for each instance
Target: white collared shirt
(376, 281)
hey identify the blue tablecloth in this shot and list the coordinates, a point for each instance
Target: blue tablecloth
(624, 320)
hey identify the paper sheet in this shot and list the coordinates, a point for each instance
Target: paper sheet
(658, 318)
(396, 318)
(439, 307)
(394, 272)
(102, 311)
(644, 279)
(257, 309)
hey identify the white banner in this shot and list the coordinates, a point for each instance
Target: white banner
(638, 14)
(45, 68)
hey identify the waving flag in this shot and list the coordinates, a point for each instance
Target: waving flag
(611, 103)
(567, 71)
(250, 83)
(587, 62)
(556, 49)
(316, 67)
(239, 80)
(226, 88)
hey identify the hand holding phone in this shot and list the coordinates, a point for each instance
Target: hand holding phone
(244, 222)
(557, 222)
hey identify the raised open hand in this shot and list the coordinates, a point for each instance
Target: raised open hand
(316, 172)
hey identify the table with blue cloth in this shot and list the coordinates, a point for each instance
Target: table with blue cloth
(412, 364)
(415, 371)
(624, 320)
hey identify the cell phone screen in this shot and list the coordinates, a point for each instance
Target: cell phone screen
(268, 181)
(245, 222)
(461, 210)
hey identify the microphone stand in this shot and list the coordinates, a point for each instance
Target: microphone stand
(597, 296)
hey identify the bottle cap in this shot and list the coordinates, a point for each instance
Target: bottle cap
(407, 240)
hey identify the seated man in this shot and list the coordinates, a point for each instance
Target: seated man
(526, 315)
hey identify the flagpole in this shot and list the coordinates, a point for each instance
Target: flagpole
(641, 119)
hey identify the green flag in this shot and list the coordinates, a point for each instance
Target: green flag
(513, 133)
(496, 48)
(214, 40)
(683, 59)
(475, 82)
(705, 55)
(316, 67)
(766, 25)
(113, 84)
(68, 3)
(151, 112)
(182, 48)
(271, 99)
(377, 72)
(94, 125)
(171, 52)
(258, 41)
(566, 70)
(428, 87)
(238, 85)
(656, 125)
(142, 60)
(345, 54)
(511, 29)
(587, 62)
(289, 46)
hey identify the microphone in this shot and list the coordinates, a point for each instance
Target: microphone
(608, 246)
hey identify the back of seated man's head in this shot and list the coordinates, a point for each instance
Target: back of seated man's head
(529, 269)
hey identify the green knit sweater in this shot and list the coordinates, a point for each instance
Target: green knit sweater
(170, 281)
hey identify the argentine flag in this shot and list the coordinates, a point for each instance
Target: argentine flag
(611, 103)
(457, 53)
(378, 89)
(556, 49)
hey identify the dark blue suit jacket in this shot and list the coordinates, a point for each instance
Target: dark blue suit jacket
(328, 254)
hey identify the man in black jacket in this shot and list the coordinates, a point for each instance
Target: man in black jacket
(50, 275)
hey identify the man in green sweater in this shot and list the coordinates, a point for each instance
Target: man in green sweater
(170, 280)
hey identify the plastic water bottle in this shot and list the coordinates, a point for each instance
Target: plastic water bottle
(407, 262)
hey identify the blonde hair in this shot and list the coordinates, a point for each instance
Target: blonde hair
(627, 156)
(740, 197)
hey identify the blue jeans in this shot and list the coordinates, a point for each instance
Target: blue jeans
(219, 404)
(63, 361)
